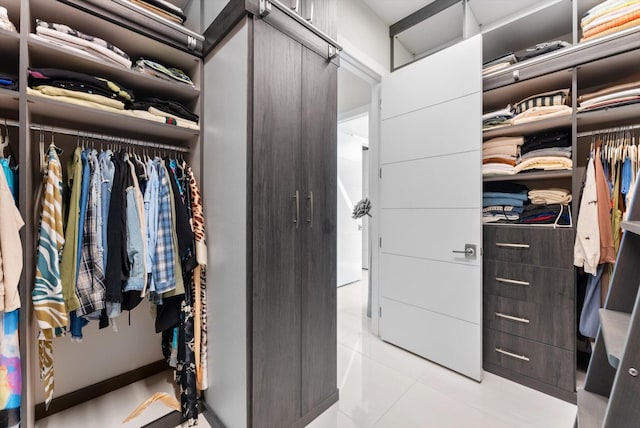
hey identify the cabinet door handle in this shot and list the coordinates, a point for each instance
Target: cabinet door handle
(296, 6)
(310, 199)
(512, 318)
(502, 244)
(512, 281)
(512, 355)
(310, 18)
(297, 198)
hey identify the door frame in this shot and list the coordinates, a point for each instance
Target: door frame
(374, 79)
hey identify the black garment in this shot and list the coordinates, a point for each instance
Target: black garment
(10, 77)
(186, 367)
(117, 269)
(546, 140)
(540, 49)
(170, 107)
(505, 187)
(87, 88)
(54, 74)
(10, 417)
(168, 313)
(183, 226)
(173, 11)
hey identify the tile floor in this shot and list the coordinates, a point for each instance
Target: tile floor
(381, 386)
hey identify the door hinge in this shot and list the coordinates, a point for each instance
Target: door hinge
(264, 8)
(380, 312)
(381, 242)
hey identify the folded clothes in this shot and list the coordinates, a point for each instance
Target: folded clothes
(616, 102)
(57, 91)
(488, 201)
(95, 45)
(503, 141)
(552, 151)
(545, 99)
(497, 169)
(550, 196)
(500, 160)
(547, 163)
(609, 15)
(633, 92)
(608, 90)
(604, 8)
(5, 23)
(498, 217)
(8, 81)
(541, 49)
(496, 122)
(522, 196)
(170, 107)
(43, 76)
(502, 209)
(613, 21)
(505, 187)
(545, 214)
(156, 69)
(541, 113)
(505, 112)
(511, 150)
(546, 140)
(166, 13)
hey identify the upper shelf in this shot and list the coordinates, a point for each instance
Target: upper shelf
(614, 327)
(46, 54)
(573, 56)
(9, 50)
(45, 110)
(526, 176)
(607, 118)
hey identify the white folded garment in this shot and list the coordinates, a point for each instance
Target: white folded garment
(547, 163)
(550, 196)
(497, 169)
(502, 112)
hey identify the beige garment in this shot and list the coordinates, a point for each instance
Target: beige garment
(511, 150)
(541, 113)
(100, 99)
(144, 114)
(503, 141)
(547, 163)
(608, 91)
(607, 252)
(622, 27)
(10, 248)
(76, 101)
(550, 196)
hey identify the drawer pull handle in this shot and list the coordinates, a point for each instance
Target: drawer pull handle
(502, 244)
(512, 318)
(512, 355)
(512, 281)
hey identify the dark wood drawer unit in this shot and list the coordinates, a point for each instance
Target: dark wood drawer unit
(532, 359)
(542, 323)
(530, 283)
(529, 245)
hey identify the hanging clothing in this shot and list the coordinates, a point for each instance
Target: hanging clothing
(589, 319)
(10, 369)
(587, 246)
(10, 248)
(607, 254)
(47, 295)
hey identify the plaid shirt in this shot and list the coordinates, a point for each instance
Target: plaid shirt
(163, 269)
(90, 286)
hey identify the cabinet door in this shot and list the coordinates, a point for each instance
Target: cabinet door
(276, 294)
(323, 15)
(318, 240)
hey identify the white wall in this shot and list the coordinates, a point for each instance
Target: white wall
(349, 251)
(401, 54)
(364, 35)
(365, 219)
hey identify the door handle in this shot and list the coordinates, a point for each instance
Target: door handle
(310, 199)
(310, 18)
(296, 6)
(512, 318)
(469, 250)
(512, 281)
(297, 198)
(512, 355)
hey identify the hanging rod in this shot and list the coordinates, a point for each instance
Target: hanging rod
(95, 136)
(608, 130)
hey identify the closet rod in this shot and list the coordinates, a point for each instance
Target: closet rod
(103, 137)
(608, 130)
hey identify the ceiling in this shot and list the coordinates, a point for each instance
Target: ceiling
(353, 92)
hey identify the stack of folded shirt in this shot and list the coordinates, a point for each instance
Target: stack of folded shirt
(5, 23)
(78, 88)
(156, 69)
(171, 112)
(542, 106)
(8, 81)
(499, 63)
(497, 118)
(545, 214)
(503, 202)
(80, 42)
(613, 96)
(610, 17)
(550, 196)
(499, 155)
(547, 151)
(163, 9)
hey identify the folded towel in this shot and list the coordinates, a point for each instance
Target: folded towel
(550, 196)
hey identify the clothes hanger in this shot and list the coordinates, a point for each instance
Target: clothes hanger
(4, 142)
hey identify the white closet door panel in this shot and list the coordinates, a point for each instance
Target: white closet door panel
(448, 341)
(431, 233)
(422, 85)
(433, 131)
(433, 182)
(445, 288)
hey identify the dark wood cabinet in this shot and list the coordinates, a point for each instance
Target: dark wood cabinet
(323, 15)
(289, 195)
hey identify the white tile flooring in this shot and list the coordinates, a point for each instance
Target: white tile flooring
(381, 386)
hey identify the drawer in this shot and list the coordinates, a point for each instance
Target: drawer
(542, 362)
(529, 283)
(543, 323)
(529, 245)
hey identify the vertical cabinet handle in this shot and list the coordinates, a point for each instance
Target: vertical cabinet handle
(297, 198)
(310, 199)
(310, 18)
(296, 6)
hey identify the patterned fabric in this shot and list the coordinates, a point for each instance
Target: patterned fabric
(164, 263)
(553, 98)
(90, 286)
(48, 302)
(10, 371)
(199, 288)
(186, 367)
(155, 69)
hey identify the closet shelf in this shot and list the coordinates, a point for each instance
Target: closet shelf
(9, 46)
(631, 226)
(537, 226)
(614, 327)
(528, 128)
(605, 118)
(95, 120)
(535, 175)
(591, 409)
(8, 99)
(45, 54)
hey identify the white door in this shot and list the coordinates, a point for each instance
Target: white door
(430, 208)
